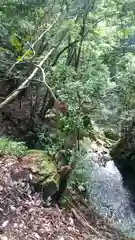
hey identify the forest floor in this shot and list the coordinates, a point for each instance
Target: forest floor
(24, 215)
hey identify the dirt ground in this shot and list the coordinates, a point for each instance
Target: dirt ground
(24, 215)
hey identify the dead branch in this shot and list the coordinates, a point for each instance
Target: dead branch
(84, 222)
(33, 45)
(13, 95)
(80, 217)
(26, 83)
(49, 10)
(43, 77)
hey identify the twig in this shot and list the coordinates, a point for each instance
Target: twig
(4, 198)
(77, 213)
(85, 223)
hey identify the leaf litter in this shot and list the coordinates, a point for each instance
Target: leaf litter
(25, 216)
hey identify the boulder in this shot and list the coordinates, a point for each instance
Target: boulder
(44, 176)
(123, 150)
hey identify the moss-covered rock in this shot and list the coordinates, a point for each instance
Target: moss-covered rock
(45, 176)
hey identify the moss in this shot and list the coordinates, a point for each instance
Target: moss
(13, 148)
(43, 165)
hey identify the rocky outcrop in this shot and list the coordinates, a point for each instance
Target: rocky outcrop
(123, 151)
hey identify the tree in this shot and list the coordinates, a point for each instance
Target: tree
(88, 46)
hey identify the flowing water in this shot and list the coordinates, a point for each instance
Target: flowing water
(107, 193)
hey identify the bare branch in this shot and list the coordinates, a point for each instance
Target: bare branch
(33, 45)
(49, 10)
(43, 77)
(13, 95)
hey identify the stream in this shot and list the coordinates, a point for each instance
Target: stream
(110, 195)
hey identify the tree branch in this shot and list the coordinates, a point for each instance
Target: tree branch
(77, 60)
(64, 49)
(33, 45)
(13, 95)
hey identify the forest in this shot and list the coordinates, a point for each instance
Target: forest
(67, 119)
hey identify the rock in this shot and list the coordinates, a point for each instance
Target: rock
(119, 148)
(123, 155)
(44, 176)
(123, 150)
(111, 134)
(64, 176)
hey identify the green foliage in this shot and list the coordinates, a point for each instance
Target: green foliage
(125, 82)
(81, 90)
(16, 43)
(12, 148)
(91, 69)
(94, 49)
(78, 178)
(51, 142)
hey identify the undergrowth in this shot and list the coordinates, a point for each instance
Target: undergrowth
(12, 148)
(78, 178)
